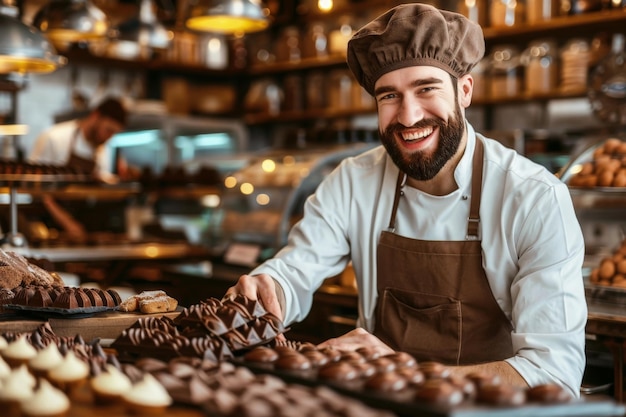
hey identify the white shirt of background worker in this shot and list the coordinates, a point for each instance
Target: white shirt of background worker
(83, 138)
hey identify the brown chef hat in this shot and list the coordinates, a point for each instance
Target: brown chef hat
(414, 34)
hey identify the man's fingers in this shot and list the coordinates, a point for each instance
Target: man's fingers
(257, 287)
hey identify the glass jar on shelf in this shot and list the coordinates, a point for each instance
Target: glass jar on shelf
(575, 58)
(315, 41)
(338, 37)
(505, 72)
(288, 46)
(293, 91)
(315, 90)
(507, 13)
(540, 62)
(339, 90)
(541, 10)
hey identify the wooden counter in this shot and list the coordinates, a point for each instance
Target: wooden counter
(107, 325)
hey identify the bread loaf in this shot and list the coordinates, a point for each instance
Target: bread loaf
(150, 302)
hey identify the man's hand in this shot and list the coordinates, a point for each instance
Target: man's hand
(355, 339)
(260, 287)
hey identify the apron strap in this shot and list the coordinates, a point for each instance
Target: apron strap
(396, 200)
(473, 220)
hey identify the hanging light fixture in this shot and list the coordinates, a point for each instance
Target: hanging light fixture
(141, 34)
(70, 21)
(228, 16)
(23, 48)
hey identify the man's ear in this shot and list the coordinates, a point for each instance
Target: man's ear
(466, 88)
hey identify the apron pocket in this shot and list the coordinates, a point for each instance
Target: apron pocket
(425, 325)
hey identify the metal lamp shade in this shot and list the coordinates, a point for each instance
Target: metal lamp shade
(228, 16)
(68, 21)
(24, 49)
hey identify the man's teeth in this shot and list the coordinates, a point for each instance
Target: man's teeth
(417, 135)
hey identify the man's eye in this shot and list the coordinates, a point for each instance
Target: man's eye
(387, 97)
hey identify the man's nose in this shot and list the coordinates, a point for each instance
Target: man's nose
(410, 112)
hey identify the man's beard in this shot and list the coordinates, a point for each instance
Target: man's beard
(418, 165)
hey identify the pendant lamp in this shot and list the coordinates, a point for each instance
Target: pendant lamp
(228, 16)
(70, 21)
(23, 48)
(145, 30)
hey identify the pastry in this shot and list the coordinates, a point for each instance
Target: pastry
(18, 352)
(46, 401)
(548, 393)
(45, 359)
(70, 374)
(149, 302)
(109, 385)
(162, 304)
(147, 396)
(17, 387)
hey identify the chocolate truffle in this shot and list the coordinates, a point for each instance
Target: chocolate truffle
(439, 392)
(261, 354)
(548, 393)
(500, 394)
(388, 381)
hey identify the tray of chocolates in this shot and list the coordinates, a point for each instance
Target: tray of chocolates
(397, 382)
(212, 329)
(64, 302)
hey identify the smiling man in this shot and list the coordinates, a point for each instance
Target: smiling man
(464, 251)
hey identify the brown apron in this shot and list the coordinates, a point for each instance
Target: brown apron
(434, 299)
(76, 162)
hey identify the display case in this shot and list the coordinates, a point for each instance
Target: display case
(596, 177)
(263, 200)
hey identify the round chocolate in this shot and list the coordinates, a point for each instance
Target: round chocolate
(433, 369)
(316, 357)
(439, 392)
(352, 356)
(413, 375)
(383, 364)
(501, 394)
(332, 353)
(365, 369)
(296, 362)
(482, 378)
(548, 393)
(402, 359)
(388, 381)
(338, 371)
(261, 354)
(465, 384)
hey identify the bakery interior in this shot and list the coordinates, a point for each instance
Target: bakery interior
(231, 130)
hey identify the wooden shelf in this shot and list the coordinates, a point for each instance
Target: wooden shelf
(561, 26)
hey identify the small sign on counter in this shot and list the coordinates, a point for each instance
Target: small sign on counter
(245, 254)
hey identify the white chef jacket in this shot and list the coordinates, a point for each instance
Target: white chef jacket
(532, 247)
(53, 145)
